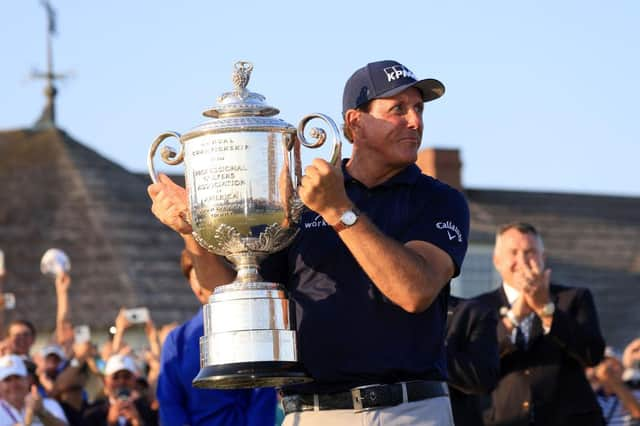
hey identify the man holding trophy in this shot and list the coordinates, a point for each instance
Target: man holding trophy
(368, 272)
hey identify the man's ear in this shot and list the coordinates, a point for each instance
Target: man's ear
(352, 120)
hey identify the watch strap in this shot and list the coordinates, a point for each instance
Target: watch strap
(341, 226)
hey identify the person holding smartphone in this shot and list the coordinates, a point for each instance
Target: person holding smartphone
(20, 401)
(121, 405)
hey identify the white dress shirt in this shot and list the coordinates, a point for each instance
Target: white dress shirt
(525, 323)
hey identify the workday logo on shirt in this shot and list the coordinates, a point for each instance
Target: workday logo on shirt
(317, 222)
(452, 230)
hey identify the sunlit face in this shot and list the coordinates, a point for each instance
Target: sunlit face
(391, 131)
(119, 380)
(513, 251)
(14, 389)
(51, 363)
(20, 339)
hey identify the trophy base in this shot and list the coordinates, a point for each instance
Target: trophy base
(242, 375)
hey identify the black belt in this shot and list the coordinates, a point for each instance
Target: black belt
(366, 397)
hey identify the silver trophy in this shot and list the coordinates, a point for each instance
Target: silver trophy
(242, 169)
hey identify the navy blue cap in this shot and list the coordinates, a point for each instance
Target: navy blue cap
(383, 79)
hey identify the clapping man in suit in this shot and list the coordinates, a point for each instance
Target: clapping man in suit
(547, 335)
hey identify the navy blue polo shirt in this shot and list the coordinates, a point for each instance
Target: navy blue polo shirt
(349, 333)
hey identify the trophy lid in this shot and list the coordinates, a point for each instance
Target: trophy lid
(241, 102)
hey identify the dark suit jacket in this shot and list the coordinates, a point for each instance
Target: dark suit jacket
(472, 358)
(545, 384)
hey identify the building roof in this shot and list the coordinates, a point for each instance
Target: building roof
(58, 193)
(591, 241)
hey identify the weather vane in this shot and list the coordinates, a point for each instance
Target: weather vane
(47, 118)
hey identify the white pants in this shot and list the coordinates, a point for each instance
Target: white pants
(428, 412)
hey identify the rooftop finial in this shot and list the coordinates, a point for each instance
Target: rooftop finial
(47, 118)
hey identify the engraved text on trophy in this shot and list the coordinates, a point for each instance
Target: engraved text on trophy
(232, 181)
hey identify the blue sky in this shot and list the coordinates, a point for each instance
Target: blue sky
(540, 95)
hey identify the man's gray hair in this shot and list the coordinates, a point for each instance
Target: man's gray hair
(523, 228)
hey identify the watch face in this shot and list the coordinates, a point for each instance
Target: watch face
(348, 218)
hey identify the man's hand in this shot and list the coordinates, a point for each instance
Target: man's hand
(534, 285)
(122, 323)
(33, 401)
(125, 408)
(521, 308)
(170, 204)
(63, 282)
(607, 373)
(114, 412)
(130, 412)
(322, 190)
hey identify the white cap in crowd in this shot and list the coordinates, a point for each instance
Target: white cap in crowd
(53, 350)
(12, 365)
(120, 362)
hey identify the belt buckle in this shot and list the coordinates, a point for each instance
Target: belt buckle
(358, 396)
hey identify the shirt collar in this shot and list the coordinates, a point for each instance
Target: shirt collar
(512, 293)
(408, 175)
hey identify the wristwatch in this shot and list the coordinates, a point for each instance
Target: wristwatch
(547, 310)
(348, 219)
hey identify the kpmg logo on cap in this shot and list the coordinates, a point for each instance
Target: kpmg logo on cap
(398, 71)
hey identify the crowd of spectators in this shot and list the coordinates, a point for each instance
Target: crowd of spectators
(71, 378)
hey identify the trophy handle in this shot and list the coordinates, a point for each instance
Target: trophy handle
(168, 155)
(297, 206)
(321, 136)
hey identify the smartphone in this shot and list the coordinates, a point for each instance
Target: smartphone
(9, 300)
(137, 315)
(81, 333)
(1, 262)
(123, 394)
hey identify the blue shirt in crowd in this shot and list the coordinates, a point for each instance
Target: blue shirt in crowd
(182, 404)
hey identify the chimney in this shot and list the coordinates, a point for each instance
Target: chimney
(442, 164)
